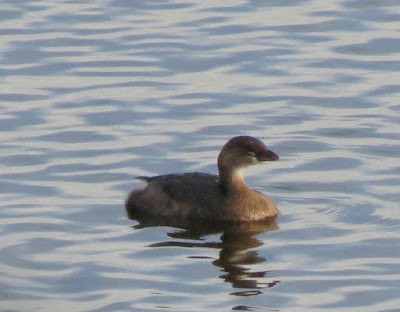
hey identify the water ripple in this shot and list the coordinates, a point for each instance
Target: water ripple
(96, 93)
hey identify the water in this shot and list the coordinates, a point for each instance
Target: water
(95, 93)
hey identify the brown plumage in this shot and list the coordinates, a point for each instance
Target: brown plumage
(202, 196)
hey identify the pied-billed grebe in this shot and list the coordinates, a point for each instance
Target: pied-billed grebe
(195, 196)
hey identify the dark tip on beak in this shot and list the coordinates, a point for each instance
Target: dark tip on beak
(267, 155)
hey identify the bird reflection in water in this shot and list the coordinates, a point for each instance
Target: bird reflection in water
(237, 248)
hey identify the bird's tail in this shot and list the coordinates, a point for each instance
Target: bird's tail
(143, 178)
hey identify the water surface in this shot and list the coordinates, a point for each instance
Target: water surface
(93, 94)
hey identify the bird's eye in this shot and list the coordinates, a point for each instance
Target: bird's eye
(251, 154)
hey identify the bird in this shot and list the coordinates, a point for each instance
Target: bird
(203, 197)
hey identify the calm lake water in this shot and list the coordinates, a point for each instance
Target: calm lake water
(94, 93)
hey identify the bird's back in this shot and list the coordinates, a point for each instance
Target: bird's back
(184, 195)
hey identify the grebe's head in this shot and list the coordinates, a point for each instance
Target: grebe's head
(243, 151)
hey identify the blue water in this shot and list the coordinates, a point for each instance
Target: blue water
(95, 93)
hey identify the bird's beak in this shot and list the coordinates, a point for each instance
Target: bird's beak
(267, 155)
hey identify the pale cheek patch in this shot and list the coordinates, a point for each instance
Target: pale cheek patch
(238, 175)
